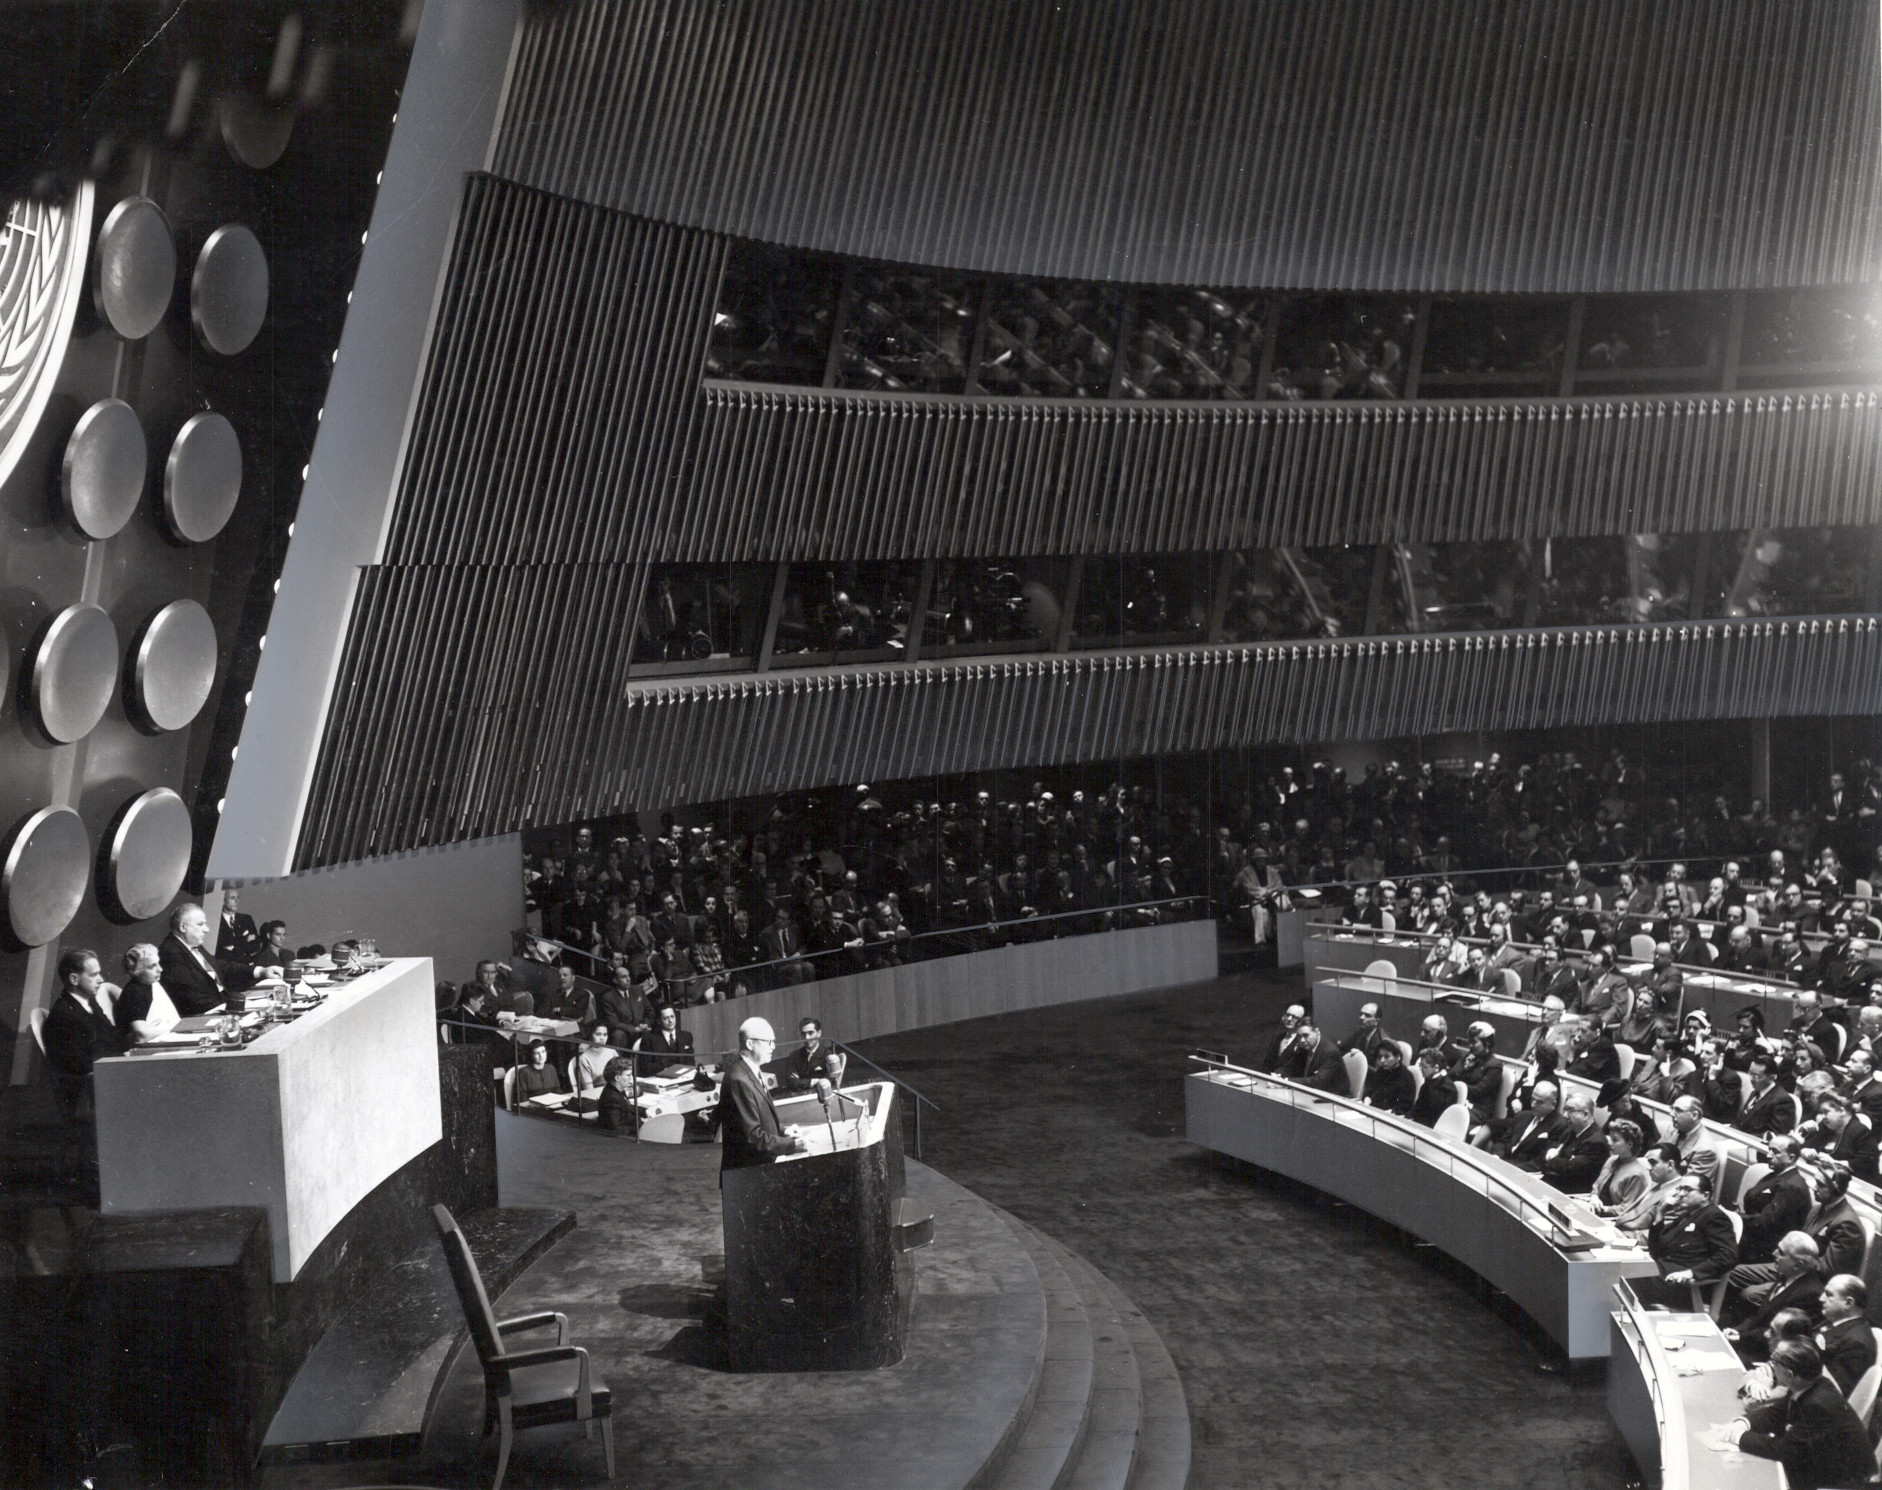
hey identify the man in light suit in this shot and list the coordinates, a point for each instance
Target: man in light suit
(746, 1115)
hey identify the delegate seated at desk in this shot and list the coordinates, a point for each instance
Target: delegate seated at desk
(144, 1009)
(813, 1066)
(196, 981)
(668, 1045)
(78, 1033)
(1389, 1086)
(746, 1116)
(1691, 1241)
(1822, 1442)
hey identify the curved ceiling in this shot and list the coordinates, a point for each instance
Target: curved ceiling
(1470, 145)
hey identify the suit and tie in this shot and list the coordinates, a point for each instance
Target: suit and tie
(1776, 1204)
(237, 939)
(1773, 1110)
(1530, 1136)
(76, 1034)
(748, 1120)
(196, 981)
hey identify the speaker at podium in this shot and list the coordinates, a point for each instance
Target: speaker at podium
(817, 1265)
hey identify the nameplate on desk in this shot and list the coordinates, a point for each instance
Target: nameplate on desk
(1574, 1241)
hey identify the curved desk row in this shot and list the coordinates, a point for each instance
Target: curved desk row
(1672, 1379)
(1505, 1225)
(1351, 950)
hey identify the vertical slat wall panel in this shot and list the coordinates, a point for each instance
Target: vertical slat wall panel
(557, 405)
(475, 701)
(853, 475)
(1532, 145)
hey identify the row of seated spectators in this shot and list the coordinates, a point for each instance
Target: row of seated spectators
(704, 617)
(777, 892)
(782, 313)
(1782, 1264)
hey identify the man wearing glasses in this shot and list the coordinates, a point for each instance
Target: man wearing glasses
(747, 1118)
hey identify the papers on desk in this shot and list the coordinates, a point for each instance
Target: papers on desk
(1720, 1438)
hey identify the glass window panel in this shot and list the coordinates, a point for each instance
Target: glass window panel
(1279, 595)
(906, 330)
(1631, 333)
(773, 318)
(1138, 601)
(1584, 582)
(1342, 347)
(1050, 338)
(1195, 343)
(1008, 605)
(701, 613)
(1794, 571)
(1483, 342)
(837, 611)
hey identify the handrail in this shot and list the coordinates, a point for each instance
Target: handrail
(807, 955)
(852, 1050)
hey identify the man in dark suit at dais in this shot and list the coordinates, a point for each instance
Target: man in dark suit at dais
(747, 1117)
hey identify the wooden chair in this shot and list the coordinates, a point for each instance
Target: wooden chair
(1627, 1056)
(524, 1388)
(1512, 982)
(1382, 967)
(1454, 1122)
(1388, 922)
(1506, 1090)
(1641, 945)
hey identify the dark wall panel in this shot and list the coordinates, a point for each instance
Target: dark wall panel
(821, 475)
(562, 418)
(1341, 144)
(559, 394)
(511, 705)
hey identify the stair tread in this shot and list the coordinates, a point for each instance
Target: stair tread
(1055, 1425)
(1163, 1441)
(1109, 1446)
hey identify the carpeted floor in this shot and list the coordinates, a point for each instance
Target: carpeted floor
(1317, 1349)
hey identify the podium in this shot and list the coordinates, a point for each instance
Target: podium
(818, 1276)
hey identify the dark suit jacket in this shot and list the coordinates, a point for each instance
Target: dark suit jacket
(1838, 1235)
(1530, 1136)
(1702, 1241)
(748, 1120)
(1393, 1090)
(1801, 1292)
(1855, 1146)
(1772, 1111)
(240, 942)
(1868, 1098)
(1848, 1348)
(76, 1036)
(800, 1068)
(190, 987)
(657, 1051)
(1776, 1204)
(1434, 1096)
(1822, 1443)
(1571, 1164)
(1366, 1040)
(1599, 1062)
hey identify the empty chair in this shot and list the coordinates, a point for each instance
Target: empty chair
(1709, 1298)
(1388, 922)
(1627, 1057)
(1865, 890)
(1356, 1067)
(1417, 1076)
(1382, 968)
(37, 1020)
(1453, 1122)
(1862, 1395)
(524, 1388)
(1405, 1046)
(509, 1090)
(1641, 946)
(1752, 1175)
(1512, 982)
(1511, 1072)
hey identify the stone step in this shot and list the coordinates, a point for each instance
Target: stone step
(1162, 1460)
(1054, 1419)
(1109, 1447)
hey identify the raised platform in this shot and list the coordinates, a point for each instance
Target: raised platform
(1025, 1368)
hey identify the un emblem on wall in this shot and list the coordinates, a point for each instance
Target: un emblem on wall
(42, 271)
